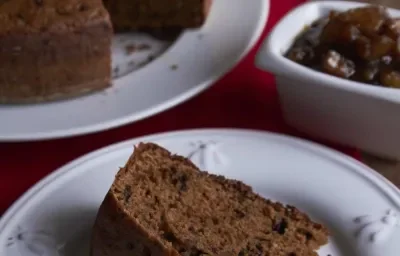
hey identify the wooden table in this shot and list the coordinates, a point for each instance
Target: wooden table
(389, 169)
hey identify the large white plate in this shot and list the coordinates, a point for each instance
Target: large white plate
(359, 206)
(194, 62)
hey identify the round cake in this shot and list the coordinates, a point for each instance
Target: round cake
(52, 49)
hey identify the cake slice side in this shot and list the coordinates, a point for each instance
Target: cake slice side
(161, 204)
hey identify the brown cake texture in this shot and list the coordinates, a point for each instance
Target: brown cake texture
(52, 49)
(142, 14)
(57, 49)
(162, 204)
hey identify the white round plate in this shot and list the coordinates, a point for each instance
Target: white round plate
(189, 65)
(360, 207)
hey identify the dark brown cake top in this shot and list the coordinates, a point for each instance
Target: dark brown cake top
(30, 16)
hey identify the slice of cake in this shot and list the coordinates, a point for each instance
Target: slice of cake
(162, 204)
(53, 49)
(152, 14)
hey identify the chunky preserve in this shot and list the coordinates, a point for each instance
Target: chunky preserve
(361, 44)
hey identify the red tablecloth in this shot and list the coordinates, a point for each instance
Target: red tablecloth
(244, 98)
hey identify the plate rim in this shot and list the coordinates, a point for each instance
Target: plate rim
(156, 109)
(354, 165)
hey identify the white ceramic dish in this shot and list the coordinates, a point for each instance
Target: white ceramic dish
(351, 113)
(54, 218)
(195, 61)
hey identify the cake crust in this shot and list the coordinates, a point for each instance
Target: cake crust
(161, 204)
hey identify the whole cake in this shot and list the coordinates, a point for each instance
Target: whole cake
(162, 204)
(56, 49)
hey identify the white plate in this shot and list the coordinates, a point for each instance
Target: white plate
(190, 65)
(55, 216)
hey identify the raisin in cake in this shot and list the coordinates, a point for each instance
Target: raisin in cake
(161, 204)
(56, 49)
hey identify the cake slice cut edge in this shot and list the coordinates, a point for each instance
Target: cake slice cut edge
(162, 204)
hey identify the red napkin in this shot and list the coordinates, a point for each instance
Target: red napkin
(244, 98)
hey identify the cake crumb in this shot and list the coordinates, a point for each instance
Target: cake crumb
(116, 70)
(141, 64)
(150, 58)
(130, 48)
(143, 47)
